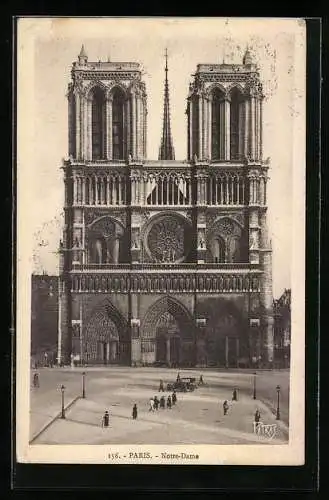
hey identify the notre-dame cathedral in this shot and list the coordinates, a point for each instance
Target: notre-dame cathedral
(165, 262)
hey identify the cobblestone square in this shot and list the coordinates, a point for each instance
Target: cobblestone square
(197, 417)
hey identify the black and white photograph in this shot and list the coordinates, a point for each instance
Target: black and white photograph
(160, 240)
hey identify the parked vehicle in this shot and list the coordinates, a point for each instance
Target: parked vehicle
(185, 384)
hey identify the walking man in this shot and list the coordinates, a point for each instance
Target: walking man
(135, 411)
(151, 408)
(178, 378)
(106, 419)
(169, 402)
(36, 380)
(225, 407)
(201, 380)
(161, 388)
(174, 397)
(162, 402)
(235, 395)
(156, 403)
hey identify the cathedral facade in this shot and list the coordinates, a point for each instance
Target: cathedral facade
(163, 261)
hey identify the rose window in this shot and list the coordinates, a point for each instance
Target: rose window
(166, 240)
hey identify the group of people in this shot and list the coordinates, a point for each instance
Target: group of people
(156, 403)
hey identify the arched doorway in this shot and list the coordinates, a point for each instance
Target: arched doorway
(169, 327)
(105, 338)
(225, 337)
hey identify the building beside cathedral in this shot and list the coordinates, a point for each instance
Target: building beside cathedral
(165, 261)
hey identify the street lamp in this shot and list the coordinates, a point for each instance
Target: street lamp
(63, 409)
(254, 396)
(278, 388)
(83, 385)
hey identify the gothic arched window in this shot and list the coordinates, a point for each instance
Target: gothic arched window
(235, 125)
(218, 125)
(117, 124)
(72, 125)
(98, 124)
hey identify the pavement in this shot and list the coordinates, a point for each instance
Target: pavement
(197, 417)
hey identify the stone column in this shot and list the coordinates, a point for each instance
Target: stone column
(133, 120)
(77, 126)
(109, 137)
(252, 127)
(89, 129)
(128, 127)
(168, 351)
(191, 128)
(200, 138)
(241, 128)
(137, 126)
(246, 126)
(83, 127)
(260, 128)
(205, 127)
(201, 352)
(226, 351)
(209, 127)
(227, 108)
(136, 353)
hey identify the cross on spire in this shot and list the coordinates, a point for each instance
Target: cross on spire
(166, 151)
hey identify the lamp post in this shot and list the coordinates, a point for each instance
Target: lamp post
(63, 409)
(254, 396)
(83, 384)
(278, 402)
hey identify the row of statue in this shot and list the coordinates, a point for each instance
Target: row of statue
(154, 284)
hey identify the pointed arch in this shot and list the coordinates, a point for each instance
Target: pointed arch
(176, 309)
(215, 87)
(106, 335)
(118, 96)
(98, 117)
(236, 118)
(218, 123)
(97, 84)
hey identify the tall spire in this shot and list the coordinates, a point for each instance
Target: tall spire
(166, 150)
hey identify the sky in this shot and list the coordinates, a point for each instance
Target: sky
(47, 48)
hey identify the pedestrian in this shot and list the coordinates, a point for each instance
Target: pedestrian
(151, 408)
(161, 388)
(174, 397)
(178, 378)
(135, 411)
(225, 407)
(234, 395)
(156, 403)
(201, 380)
(106, 419)
(169, 402)
(36, 380)
(162, 402)
(257, 416)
